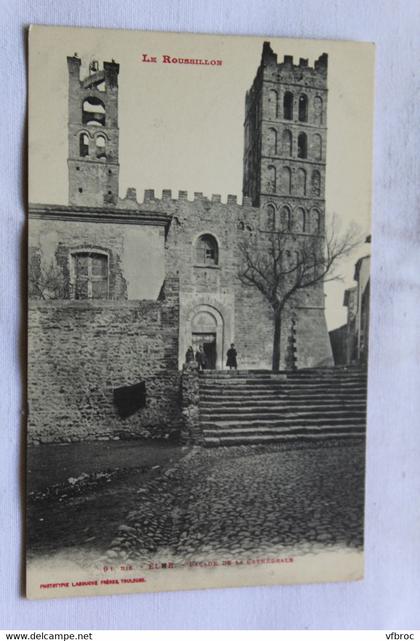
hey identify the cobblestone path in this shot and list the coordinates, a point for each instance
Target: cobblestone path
(244, 500)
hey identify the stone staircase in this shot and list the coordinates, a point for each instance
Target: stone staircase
(253, 407)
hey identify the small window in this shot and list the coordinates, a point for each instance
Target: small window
(303, 108)
(272, 141)
(273, 102)
(317, 147)
(286, 143)
(302, 145)
(271, 179)
(270, 224)
(316, 221)
(286, 180)
(318, 106)
(300, 219)
(288, 106)
(207, 252)
(83, 145)
(285, 219)
(301, 182)
(316, 183)
(100, 146)
(90, 275)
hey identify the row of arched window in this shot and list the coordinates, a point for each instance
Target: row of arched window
(281, 182)
(286, 146)
(299, 220)
(99, 150)
(292, 108)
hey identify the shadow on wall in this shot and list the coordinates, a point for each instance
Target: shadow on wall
(129, 399)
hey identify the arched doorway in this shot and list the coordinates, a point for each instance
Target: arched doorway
(207, 331)
(204, 333)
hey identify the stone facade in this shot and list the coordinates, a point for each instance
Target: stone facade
(100, 267)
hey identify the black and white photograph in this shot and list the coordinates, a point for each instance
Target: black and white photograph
(198, 310)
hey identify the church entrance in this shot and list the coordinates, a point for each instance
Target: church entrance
(207, 332)
(208, 343)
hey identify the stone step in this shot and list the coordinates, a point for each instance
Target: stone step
(252, 407)
(280, 402)
(329, 372)
(276, 438)
(254, 422)
(284, 415)
(316, 429)
(226, 395)
(246, 384)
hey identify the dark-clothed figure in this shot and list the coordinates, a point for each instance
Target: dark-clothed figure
(201, 358)
(189, 356)
(231, 357)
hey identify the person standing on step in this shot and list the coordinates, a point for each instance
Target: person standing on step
(189, 356)
(201, 358)
(231, 357)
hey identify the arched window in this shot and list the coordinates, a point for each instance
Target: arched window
(299, 219)
(317, 147)
(93, 112)
(286, 142)
(270, 223)
(303, 108)
(273, 104)
(288, 106)
(315, 221)
(286, 180)
(285, 218)
(90, 274)
(272, 141)
(318, 110)
(83, 145)
(271, 179)
(206, 250)
(301, 182)
(241, 225)
(316, 183)
(100, 146)
(302, 145)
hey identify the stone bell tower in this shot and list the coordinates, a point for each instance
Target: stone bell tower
(93, 134)
(286, 141)
(284, 175)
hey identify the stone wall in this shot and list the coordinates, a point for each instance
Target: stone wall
(81, 351)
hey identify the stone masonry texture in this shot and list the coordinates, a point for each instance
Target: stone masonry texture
(81, 351)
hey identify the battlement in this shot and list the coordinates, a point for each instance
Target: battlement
(269, 58)
(150, 197)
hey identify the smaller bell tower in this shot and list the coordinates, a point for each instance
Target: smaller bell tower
(93, 134)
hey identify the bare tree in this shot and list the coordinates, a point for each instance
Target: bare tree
(45, 282)
(281, 264)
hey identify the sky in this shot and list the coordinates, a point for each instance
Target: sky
(181, 126)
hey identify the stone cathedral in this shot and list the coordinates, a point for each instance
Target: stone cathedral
(119, 289)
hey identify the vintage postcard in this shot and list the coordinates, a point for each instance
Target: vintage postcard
(199, 248)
